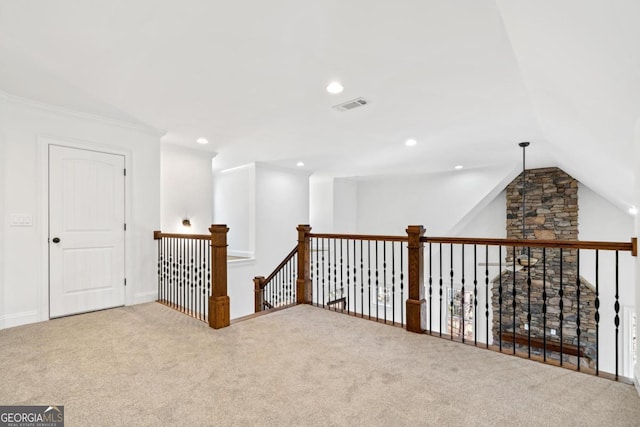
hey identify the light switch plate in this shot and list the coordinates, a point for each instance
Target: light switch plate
(20, 220)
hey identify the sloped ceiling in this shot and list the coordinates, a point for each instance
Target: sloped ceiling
(467, 79)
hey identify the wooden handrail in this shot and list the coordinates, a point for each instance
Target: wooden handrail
(360, 237)
(570, 244)
(631, 246)
(279, 267)
(157, 235)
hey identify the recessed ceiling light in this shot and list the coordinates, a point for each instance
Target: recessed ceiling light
(202, 141)
(410, 142)
(458, 167)
(633, 210)
(334, 87)
(300, 164)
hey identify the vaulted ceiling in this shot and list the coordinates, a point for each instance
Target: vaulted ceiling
(467, 79)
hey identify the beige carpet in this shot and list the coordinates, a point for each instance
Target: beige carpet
(149, 365)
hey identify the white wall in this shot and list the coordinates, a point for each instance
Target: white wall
(321, 204)
(234, 205)
(386, 205)
(280, 202)
(333, 205)
(26, 127)
(186, 189)
(345, 202)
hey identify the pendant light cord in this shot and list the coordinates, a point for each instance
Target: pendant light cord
(524, 146)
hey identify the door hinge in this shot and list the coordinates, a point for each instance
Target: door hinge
(125, 281)
(125, 226)
(125, 171)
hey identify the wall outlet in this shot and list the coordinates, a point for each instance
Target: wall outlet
(526, 326)
(552, 331)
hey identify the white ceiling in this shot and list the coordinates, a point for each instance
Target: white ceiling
(467, 79)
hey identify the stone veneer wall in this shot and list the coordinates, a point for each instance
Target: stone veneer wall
(551, 214)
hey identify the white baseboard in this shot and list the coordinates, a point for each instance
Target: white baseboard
(17, 319)
(143, 297)
(636, 377)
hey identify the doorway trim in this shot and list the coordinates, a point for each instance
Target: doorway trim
(43, 143)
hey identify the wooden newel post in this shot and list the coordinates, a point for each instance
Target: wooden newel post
(219, 313)
(416, 304)
(303, 284)
(258, 293)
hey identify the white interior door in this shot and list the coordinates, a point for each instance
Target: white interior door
(86, 230)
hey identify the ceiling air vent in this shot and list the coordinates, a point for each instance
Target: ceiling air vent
(350, 105)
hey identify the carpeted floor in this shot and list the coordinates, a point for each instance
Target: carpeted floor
(149, 365)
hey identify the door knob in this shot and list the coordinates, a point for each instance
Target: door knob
(56, 240)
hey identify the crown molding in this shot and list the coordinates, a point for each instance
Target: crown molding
(68, 112)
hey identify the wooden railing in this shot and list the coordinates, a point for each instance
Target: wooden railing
(568, 303)
(279, 288)
(192, 274)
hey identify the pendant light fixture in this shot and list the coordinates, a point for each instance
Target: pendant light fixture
(523, 259)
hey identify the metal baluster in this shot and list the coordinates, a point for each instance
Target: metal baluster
(194, 278)
(160, 281)
(578, 331)
(342, 276)
(616, 307)
(475, 296)
(529, 304)
(335, 272)
(287, 280)
(561, 304)
(199, 278)
(452, 290)
(462, 296)
(361, 280)
(203, 271)
(369, 274)
(315, 279)
(377, 284)
(513, 299)
(159, 273)
(544, 304)
(323, 273)
(174, 273)
(597, 316)
(190, 275)
(208, 275)
(486, 294)
(348, 288)
(200, 287)
(430, 290)
(169, 271)
(402, 303)
(355, 279)
(500, 296)
(183, 272)
(393, 283)
(441, 283)
(384, 277)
